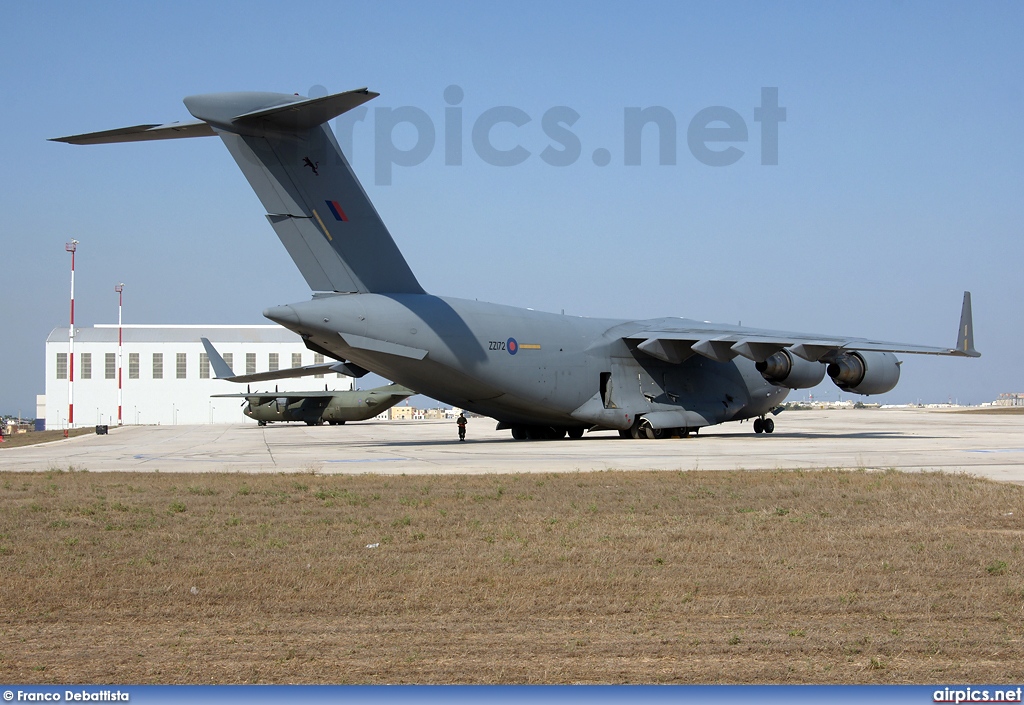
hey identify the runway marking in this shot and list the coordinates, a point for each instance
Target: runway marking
(364, 460)
(995, 450)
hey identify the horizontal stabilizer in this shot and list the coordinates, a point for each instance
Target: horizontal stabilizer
(292, 115)
(307, 114)
(306, 371)
(142, 133)
(221, 370)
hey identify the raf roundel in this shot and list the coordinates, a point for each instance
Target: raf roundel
(512, 346)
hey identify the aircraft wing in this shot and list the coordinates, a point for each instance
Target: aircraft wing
(292, 397)
(392, 390)
(673, 344)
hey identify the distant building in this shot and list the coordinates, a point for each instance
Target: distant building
(166, 373)
(405, 412)
(1010, 399)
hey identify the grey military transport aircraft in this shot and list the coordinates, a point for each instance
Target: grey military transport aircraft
(312, 408)
(541, 375)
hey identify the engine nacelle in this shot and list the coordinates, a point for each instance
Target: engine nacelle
(865, 372)
(784, 369)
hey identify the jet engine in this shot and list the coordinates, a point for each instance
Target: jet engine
(865, 372)
(784, 369)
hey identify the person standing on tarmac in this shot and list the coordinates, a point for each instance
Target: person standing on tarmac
(461, 421)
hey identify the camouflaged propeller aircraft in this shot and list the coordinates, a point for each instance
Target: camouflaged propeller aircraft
(312, 408)
(541, 375)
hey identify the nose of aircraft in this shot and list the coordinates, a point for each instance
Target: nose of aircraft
(282, 315)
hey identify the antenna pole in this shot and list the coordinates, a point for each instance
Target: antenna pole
(120, 357)
(71, 247)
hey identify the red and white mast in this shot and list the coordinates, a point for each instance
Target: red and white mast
(71, 247)
(119, 289)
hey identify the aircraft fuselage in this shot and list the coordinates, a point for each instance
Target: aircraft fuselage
(355, 405)
(524, 367)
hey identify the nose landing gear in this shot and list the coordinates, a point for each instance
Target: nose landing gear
(763, 425)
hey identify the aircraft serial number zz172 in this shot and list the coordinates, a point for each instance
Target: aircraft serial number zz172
(644, 378)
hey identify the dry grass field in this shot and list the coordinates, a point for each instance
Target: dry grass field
(611, 577)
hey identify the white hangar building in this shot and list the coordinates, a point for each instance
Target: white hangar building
(166, 374)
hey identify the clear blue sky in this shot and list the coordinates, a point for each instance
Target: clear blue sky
(898, 184)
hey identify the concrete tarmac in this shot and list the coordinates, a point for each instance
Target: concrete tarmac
(983, 444)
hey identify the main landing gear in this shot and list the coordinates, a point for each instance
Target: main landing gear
(763, 425)
(642, 430)
(546, 433)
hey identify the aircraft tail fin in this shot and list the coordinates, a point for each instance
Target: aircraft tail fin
(316, 205)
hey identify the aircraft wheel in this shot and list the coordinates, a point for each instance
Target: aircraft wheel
(261, 423)
(758, 425)
(769, 426)
(624, 433)
(684, 432)
(576, 433)
(635, 432)
(519, 433)
(654, 433)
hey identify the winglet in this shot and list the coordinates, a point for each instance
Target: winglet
(965, 335)
(220, 367)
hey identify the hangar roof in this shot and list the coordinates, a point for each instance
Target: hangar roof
(143, 333)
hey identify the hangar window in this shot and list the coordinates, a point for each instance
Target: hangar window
(250, 363)
(181, 366)
(86, 365)
(110, 366)
(230, 359)
(204, 366)
(133, 365)
(273, 365)
(318, 359)
(296, 359)
(62, 365)
(158, 365)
